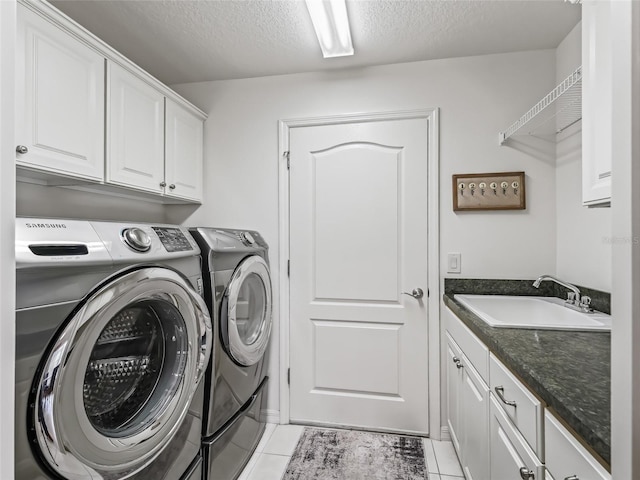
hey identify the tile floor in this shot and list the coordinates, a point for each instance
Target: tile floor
(272, 454)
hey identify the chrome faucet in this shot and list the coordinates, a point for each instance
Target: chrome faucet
(574, 300)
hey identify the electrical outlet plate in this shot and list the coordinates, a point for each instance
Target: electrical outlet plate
(489, 191)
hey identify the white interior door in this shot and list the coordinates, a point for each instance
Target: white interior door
(358, 240)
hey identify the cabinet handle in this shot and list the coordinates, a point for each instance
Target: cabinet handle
(527, 474)
(163, 184)
(572, 477)
(500, 392)
(458, 363)
(172, 186)
(22, 149)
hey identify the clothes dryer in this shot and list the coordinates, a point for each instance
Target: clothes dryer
(238, 294)
(112, 339)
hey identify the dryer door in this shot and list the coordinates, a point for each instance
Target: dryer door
(117, 383)
(246, 311)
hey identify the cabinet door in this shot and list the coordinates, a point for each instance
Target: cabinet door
(474, 416)
(135, 155)
(184, 143)
(596, 102)
(453, 366)
(566, 457)
(510, 453)
(59, 100)
(523, 409)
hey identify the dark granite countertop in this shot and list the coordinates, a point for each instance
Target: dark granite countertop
(570, 371)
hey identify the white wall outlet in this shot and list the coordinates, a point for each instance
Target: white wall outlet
(453, 263)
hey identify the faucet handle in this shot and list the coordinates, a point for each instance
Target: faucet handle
(571, 297)
(585, 304)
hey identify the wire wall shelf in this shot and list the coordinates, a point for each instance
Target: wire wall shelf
(557, 111)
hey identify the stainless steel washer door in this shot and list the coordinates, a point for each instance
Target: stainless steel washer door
(120, 378)
(246, 311)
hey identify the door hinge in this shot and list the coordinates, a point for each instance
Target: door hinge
(288, 376)
(286, 155)
(288, 268)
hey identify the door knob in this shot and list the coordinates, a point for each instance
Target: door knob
(417, 293)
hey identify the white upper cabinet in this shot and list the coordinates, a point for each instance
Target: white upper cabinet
(77, 96)
(59, 100)
(183, 152)
(135, 126)
(596, 102)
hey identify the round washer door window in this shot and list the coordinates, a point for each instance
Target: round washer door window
(144, 346)
(119, 380)
(246, 311)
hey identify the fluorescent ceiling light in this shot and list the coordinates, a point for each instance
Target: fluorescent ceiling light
(330, 21)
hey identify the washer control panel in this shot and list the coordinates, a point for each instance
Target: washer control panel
(173, 239)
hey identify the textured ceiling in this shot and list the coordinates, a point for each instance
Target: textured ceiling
(197, 40)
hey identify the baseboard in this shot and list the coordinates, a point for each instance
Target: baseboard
(271, 416)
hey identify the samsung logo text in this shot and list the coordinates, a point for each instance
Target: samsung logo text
(45, 225)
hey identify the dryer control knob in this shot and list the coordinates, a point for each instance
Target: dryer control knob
(136, 239)
(247, 238)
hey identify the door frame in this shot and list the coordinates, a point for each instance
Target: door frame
(433, 246)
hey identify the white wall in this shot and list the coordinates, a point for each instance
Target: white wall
(583, 234)
(7, 238)
(478, 97)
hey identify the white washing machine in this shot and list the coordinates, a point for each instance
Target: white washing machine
(238, 293)
(112, 340)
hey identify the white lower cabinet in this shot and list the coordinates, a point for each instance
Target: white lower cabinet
(453, 366)
(504, 432)
(566, 458)
(521, 407)
(474, 409)
(468, 404)
(511, 456)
